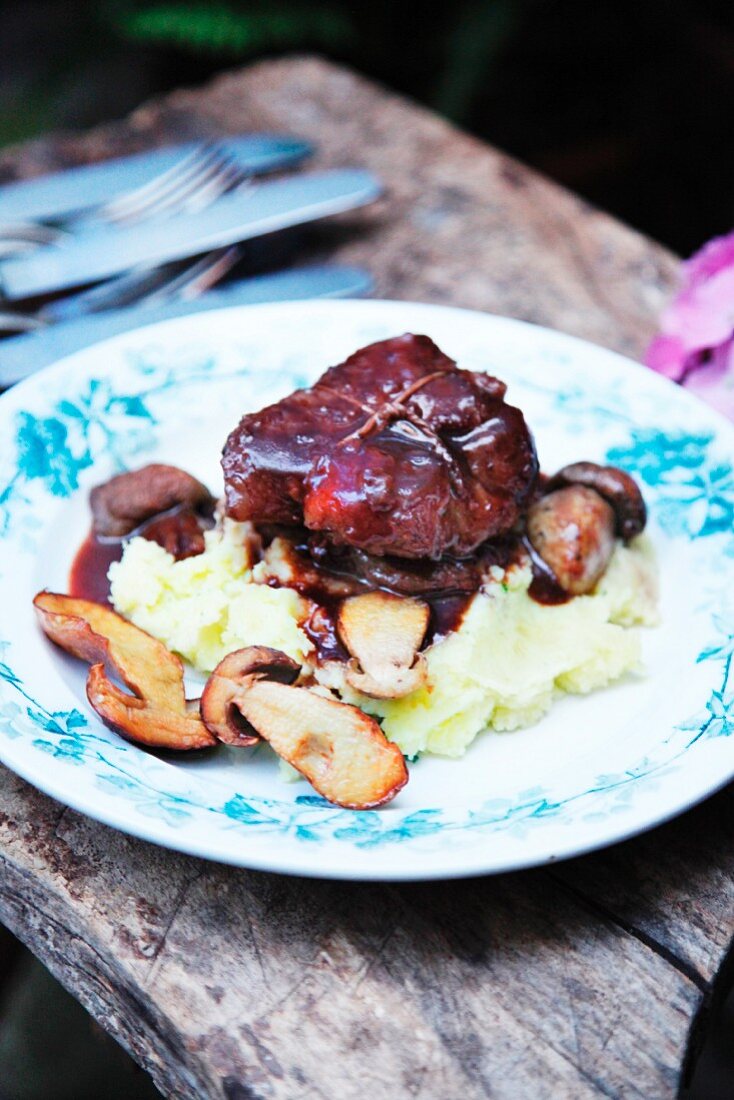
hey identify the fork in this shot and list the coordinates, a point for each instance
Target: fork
(19, 236)
(147, 286)
(193, 189)
(196, 180)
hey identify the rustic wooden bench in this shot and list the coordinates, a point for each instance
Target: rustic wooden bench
(586, 979)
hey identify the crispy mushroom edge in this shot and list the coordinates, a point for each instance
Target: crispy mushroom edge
(383, 635)
(157, 714)
(340, 750)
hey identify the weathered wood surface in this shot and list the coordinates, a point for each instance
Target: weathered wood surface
(580, 981)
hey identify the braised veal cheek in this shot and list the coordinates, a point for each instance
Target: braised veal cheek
(396, 451)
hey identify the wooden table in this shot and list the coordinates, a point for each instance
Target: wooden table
(587, 979)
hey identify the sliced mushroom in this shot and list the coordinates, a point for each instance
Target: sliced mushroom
(126, 501)
(339, 749)
(383, 634)
(617, 487)
(572, 530)
(157, 714)
(218, 709)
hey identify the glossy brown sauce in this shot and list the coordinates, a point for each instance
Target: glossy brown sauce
(321, 630)
(88, 574)
(544, 588)
(447, 614)
(180, 532)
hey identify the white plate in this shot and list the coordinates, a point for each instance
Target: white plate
(595, 770)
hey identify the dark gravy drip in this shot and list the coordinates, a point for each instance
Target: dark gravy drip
(179, 531)
(447, 615)
(544, 588)
(320, 629)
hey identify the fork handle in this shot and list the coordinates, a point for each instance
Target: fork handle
(20, 322)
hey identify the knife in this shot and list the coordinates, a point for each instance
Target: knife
(98, 253)
(64, 193)
(21, 356)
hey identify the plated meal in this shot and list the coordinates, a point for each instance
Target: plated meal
(404, 571)
(387, 573)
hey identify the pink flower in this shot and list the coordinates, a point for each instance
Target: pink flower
(695, 345)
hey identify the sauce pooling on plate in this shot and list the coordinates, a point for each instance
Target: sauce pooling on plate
(88, 574)
(180, 531)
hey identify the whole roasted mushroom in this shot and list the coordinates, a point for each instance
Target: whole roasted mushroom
(572, 529)
(615, 486)
(128, 500)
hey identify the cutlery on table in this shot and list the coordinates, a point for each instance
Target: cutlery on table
(98, 252)
(20, 236)
(149, 285)
(135, 186)
(190, 185)
(21, 356)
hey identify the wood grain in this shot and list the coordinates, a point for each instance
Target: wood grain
(580, 981)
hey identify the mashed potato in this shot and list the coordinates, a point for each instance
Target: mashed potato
(206, 606)
(501, 668)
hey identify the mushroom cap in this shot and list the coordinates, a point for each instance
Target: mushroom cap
(219, 712)
(616, 486)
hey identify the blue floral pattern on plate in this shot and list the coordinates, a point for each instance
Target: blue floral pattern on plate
(87, 418)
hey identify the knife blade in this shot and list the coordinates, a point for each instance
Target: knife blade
(98, 253)
(70, 192)
(22, 356)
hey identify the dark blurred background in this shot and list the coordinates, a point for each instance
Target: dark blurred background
(628, 102)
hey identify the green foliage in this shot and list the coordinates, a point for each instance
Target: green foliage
(481, 31)
(24, 115)
(221, 28)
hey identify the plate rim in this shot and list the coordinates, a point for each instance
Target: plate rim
(472, 862)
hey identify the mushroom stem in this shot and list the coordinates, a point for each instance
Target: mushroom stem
(383, 634)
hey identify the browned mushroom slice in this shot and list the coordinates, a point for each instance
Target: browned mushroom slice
(617, 487)
(157, 714)
(126, 501)
(339, 749)
(572, 530)
(383, 633)
(218, 709)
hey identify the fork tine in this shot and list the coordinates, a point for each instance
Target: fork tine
(228, 177)
(190, 192)
(135, 203)
(23, 236)
(143, 285)
(188, 188)
(132, 211)
(32, 232)
(198, 277)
